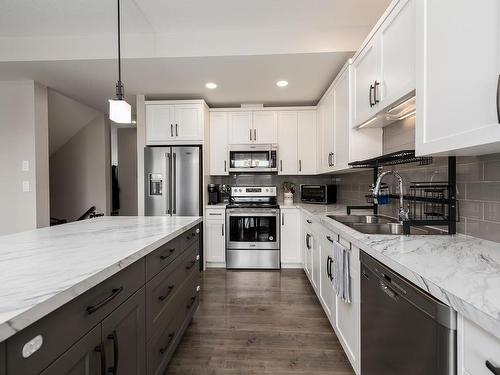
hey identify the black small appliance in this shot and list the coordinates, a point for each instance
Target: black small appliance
(213, 194)
(320, 194)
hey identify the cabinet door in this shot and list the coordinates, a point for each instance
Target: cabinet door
(188, 125)
(287, 143)
(307, 142)
(326, 293)
(316, 259)
(160, 123)
(365, 70)
(83, 358)
(218, 143)
(341, 115)
(397, 53)
(347, 317)
(458, 60)
(123, 335)
(290, 236)
(216, 240)
(327, 133)
(265, 127)
(240, 128)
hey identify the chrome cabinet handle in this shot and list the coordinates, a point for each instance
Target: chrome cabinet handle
(255, 134)
(495, 370)
(250, 134)
(282, 219)
(370, 95)
(281, 165)
(176, 130)
(375, 99)
(171, 130)
(222, 226)
(300, 165)
(498, 99)
(225, 166)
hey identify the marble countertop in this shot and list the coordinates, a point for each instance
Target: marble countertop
(462, 271)
(42, 269)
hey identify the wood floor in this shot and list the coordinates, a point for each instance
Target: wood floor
(259, 323)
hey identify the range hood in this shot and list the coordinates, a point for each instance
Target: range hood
(404, 108)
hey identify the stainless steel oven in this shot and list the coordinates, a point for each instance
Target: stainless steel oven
(253, 158)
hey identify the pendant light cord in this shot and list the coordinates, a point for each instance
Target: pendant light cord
(119, 84)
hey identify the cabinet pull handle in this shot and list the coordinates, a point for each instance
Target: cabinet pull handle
(333, 160)
(307, 240)
(300, 165)
(309, 221)
(330, 239)
(169, 290)
(282, 219)
(188, 306)
(375, 99)
(191, 264)
(281, 165)
(171, 130)
(255, 134)
(113, 336)
(492, 368)
(498, 99)
(370, 95)
(250, 134)
(176, 130)
(330, 269)
(100, 349)
(114, 293)
(222, 227)
(225, 166)
(165, 348)
(170, 252)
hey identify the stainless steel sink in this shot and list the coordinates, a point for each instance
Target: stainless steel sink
(376, 224)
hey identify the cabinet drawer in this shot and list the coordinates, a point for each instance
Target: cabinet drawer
(215, 213)
(2, 359)
(63, 327)
(162, 290)
(479, 346)
(164, 342)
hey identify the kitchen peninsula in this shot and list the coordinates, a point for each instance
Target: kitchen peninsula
(106, 293)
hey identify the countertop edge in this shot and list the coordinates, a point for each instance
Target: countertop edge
(42, 309)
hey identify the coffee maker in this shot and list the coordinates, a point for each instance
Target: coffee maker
(213, 193)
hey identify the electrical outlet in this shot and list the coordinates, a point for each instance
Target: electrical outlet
(26, 186)
(25, 166)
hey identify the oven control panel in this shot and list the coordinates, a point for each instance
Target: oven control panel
(253, 191)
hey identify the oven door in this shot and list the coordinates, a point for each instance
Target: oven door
(255, 229)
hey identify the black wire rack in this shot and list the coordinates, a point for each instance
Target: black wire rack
(394, 158)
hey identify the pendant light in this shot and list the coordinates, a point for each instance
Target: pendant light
(119, 110)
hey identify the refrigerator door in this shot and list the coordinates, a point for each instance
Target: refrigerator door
(157, 190)
(186, 167)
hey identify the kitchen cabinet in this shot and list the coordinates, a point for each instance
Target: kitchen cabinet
(326, 292)
(326, 132)
(83, 358)
(124, 337)
(458, 77)
(265, 127)
(218, 144)
(240, 128)
(476, 348)
(307, 245)
(291, 251)
(172, 122)
(341, 119)
(307, 138)
(215, 237)
(288, 143)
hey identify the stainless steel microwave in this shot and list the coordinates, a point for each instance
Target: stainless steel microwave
(320, 194)
(253, 158)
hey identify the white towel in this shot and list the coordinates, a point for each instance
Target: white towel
(340, 272)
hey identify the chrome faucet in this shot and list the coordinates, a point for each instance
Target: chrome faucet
(404, 213)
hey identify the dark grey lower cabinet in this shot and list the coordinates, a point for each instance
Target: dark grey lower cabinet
(83, 358)
(3, 367)
(124, 337)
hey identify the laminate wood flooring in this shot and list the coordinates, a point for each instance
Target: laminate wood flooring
(253, 322)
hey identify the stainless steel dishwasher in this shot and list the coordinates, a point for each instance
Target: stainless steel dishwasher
(404, 330)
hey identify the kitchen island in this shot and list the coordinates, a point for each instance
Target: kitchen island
(81, 294)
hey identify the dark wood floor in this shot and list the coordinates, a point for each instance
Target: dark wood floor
(259, 323)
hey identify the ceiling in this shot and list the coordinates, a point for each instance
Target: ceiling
(172, 48)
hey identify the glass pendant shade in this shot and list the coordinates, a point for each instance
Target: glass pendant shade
(120, 111)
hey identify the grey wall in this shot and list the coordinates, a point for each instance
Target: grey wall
(80, 172)
(478, 184)
(23, 136)
(127, 171)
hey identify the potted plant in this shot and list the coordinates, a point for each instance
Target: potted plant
(288, 190)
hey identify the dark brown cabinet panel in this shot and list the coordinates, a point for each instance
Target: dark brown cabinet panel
(124, 337)
(3, 369)
(83, 358)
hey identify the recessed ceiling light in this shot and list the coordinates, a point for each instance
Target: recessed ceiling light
(211, 86)
(282, 83)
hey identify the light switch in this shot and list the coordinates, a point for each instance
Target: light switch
(26, 166)
(26, 186)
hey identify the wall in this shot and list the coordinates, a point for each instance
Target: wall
(478, 184)
(127, 171)
(80, 172)
(141, 143)
(23, 136)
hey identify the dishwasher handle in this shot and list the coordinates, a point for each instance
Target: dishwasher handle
(492, 368)
(391, 293)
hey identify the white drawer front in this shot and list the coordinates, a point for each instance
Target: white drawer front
(478, 347)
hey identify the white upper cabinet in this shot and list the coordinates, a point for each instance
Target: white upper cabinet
(458, 72)
(366, 82)
(218, 143)
(326, 133)
(397, 36)
(177, 122)
(341, 119)
(288, 142)
(307, 141)
(265, 127)
(240, 127)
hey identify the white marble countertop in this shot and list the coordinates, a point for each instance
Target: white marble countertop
(42, 269)
(461, 271)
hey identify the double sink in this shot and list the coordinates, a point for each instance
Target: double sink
(379, 224)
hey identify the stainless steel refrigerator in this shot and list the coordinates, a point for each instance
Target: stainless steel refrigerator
(173, 181)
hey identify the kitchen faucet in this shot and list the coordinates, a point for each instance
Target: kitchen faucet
(404, 213)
